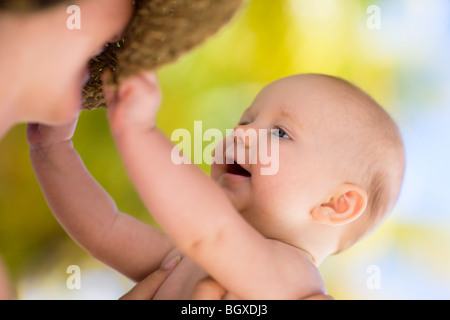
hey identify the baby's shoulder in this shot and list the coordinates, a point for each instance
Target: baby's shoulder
(304, 273)
(313, 280)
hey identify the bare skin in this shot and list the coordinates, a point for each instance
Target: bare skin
(60, 54)
(279, 226)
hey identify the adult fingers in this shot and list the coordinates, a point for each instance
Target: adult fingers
(147, 288)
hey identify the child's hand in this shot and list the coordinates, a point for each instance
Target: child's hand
(135, 104)
(42, 136)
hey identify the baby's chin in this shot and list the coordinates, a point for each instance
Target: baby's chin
(235, 185)
(239, 197)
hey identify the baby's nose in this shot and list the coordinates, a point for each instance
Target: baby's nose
(246, 135)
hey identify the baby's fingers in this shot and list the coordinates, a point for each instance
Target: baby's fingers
(136, 103)
(144, 87)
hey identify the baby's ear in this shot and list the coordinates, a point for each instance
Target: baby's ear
(346, 205)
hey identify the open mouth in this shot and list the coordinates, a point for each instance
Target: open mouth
(238, 170)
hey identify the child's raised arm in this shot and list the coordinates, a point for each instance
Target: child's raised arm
(195, 211)
(85, 209)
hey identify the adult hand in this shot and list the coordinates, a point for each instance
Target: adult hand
(206, 289)
(147, 288)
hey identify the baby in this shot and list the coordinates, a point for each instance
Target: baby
(341, 164)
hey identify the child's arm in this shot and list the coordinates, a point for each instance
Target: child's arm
(195, 211)
(85, 209)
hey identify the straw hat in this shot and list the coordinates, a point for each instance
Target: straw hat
(27, 5)
(159, 33)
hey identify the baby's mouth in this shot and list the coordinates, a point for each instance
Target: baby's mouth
(238, 170)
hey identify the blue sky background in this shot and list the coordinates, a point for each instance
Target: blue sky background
(418, 34)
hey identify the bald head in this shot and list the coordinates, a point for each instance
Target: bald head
(365, 134)
(359, 137)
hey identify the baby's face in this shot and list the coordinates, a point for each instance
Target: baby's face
(300, 109)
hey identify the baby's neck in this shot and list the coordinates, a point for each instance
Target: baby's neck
(315, 253)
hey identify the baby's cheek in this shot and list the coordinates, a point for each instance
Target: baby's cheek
(264, 197)
(275, 195)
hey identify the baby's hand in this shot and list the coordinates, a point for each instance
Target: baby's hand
(41, 136)
(135, 104)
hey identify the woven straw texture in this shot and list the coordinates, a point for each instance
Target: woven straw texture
(160, 32)
(27, 5)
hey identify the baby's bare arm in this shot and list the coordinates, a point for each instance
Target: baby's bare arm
(85, 209)
(194, 210)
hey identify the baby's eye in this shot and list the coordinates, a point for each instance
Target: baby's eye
(280, 133)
